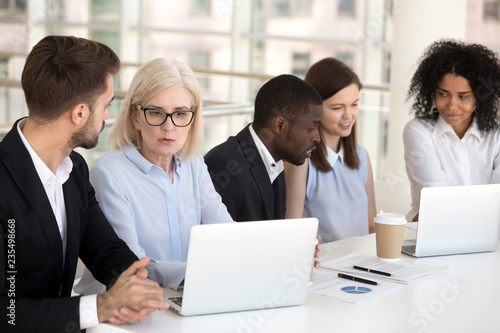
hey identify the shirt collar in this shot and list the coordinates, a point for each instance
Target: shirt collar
(46, 175)
(442, 127)
(142, 163)
(332, 156)
(273, 168)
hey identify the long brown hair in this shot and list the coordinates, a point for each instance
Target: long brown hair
(328, 76)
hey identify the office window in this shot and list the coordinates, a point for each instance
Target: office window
(4, 67)
(105, 10)
(258, 56)
(55, 10)
(13, 5)
(346, 8)
(290, 7)
(200, 7)
(259, 6)
(386, 67)
(111, 39)
(8, 7)
(390, 7)
(55, 13)
(300, 63)
(491, 11)
(346, 57)
(201, 59)
(260, 24)
(20, 5)
(280, 7)
(302, 7)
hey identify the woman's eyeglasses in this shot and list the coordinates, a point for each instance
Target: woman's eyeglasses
(155, 117)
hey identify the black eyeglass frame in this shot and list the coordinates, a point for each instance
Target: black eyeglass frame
(143, 109)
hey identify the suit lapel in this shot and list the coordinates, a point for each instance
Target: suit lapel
(257, 170)
(279, 196)
(23, 172)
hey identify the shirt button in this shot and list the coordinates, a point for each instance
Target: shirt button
(51, 181)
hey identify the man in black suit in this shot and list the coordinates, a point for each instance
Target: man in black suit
(48, 212)
(247, 169)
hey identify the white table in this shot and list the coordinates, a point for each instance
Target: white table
(466, 299)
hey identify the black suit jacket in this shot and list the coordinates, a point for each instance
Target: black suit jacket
(35, 286)
(240, 177)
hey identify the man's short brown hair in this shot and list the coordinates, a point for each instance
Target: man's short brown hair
(62, 71)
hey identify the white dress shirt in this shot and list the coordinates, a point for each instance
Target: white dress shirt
(436, 156)
(273, 168)
(53, 185)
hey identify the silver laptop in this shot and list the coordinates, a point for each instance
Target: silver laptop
(456, 219)
(246, 266)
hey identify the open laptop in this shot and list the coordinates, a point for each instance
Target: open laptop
(246, 266)
(456, 219)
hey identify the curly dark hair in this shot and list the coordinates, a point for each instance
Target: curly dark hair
(475, 62)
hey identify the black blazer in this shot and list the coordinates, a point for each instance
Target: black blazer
(240, 177)
(31, 257)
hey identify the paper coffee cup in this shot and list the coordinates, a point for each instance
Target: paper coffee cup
(389, 232)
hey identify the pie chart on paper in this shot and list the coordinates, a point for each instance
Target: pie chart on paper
(356, 290)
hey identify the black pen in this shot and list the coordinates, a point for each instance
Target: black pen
(357, 279)
(371, 270)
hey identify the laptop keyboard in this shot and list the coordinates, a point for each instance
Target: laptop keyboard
(176, 300)
(409, 248)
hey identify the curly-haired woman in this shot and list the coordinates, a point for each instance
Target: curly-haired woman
(454, 138)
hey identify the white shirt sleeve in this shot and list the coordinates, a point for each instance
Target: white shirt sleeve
(88, 311)
(495, 177)
(422, 162)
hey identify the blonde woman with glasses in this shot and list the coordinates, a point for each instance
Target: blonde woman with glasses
(155, 185)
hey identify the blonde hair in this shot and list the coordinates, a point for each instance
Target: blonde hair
(154, 78)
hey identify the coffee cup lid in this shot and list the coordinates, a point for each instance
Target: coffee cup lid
(390, 218)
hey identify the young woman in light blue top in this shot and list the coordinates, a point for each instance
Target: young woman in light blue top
(155, 186)
(336, 183)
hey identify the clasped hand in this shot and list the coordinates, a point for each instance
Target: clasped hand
(132, 298)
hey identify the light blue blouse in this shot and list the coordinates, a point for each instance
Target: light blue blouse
(338, 198)
(152, 214)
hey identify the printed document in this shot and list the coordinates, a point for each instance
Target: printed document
(326, 283)
(406, 273)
